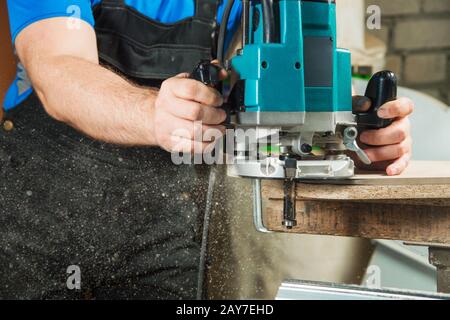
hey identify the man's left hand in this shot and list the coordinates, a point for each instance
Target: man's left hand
(389, 148)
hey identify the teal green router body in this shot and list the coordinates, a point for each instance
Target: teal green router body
(304, 72)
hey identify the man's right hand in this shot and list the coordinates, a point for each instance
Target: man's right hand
(63, 66)
(184, 110)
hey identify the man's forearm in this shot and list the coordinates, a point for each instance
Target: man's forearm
(95, 100)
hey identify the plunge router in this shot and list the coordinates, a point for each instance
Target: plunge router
(292, 105)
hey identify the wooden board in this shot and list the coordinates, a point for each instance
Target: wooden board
(435, 193)
(364, 220)
(418, 172)
(421, 181)
(412, 207)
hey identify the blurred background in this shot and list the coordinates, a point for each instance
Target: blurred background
(413, 41)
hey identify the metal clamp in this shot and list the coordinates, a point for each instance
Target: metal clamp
(350, 135)
(257, 207)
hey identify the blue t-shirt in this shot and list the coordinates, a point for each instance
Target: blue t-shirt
(22, 13)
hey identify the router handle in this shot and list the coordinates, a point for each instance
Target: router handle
(207, 73)
(381, 88)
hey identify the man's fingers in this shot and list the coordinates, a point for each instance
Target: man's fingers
(399, 165)
(394, 142)
(189, 89)
(183, 75)
(395, 133)
(399, 108)
(389, 152)
(360, 103)
(223, 73)
(194, 111)
(391, 167)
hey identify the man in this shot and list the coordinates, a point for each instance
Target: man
(87, 182)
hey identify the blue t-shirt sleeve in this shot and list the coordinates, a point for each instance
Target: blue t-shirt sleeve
(22, 13)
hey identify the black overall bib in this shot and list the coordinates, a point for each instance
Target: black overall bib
(127, 217)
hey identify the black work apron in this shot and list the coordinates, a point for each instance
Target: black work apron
(128, 217)
(149, 51)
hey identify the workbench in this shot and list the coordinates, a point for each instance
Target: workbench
(413, 207)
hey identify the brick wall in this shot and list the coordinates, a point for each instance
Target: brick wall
(417, 34)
